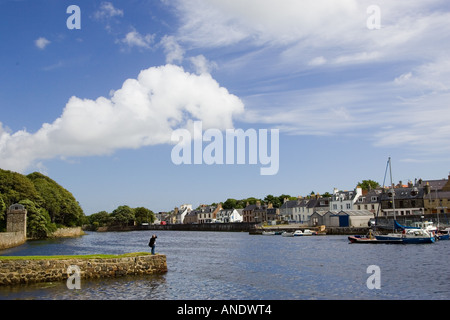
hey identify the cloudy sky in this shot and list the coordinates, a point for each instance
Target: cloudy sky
(347, 84)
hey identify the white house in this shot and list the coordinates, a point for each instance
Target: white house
(344, 200)
(229, 215)
(182, 212)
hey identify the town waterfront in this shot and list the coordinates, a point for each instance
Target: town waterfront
(240, 266)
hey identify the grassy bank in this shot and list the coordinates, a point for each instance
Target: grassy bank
(89, 256)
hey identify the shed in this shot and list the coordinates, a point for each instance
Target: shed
(354, 218)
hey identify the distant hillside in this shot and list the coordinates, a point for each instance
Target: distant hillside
(49, 205)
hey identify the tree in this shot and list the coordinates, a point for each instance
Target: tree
(39, 225)
(229, 204)
(61, 205)
(2, 208)
(123, 215)
(368, 184)
(144, 215)
(2, 214)
(15, 187)
(275, 201)
(99, 219)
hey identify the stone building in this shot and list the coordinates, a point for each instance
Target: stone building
(16, 219)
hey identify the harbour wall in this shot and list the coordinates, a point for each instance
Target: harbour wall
(67, 232)
(14, 239)
(224, 227)
(236, 227)
(11, 239)
(23, 271)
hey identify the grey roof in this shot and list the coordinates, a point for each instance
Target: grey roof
(440, 195)
(356, 213)
(434, 184)
(404, 193)
(290, 204)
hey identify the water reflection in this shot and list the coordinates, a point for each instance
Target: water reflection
(237, 266)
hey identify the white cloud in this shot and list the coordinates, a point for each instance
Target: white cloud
(202, 65)
(174, 52)
(305, 30)
(318, 61)
(389, 86)
(143, 112)
(135, 39)
(41, 43)
(107, 10)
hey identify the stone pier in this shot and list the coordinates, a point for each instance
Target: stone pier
(22, 270)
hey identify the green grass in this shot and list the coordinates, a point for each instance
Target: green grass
(89, 256)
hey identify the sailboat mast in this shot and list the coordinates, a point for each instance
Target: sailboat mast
(393, 190)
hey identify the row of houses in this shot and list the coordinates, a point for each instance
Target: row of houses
(341, 208)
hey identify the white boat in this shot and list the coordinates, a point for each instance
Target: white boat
(268, 233)
(287, 234)
(306, 232)
(409, 236)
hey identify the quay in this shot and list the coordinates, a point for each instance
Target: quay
(322, 230)
(251, 228)
(33, 269)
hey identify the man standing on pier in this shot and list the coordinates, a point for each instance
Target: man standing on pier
(151, 244)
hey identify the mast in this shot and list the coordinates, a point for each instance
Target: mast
(393, 190)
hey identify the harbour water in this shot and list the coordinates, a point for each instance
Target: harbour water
(239, 266)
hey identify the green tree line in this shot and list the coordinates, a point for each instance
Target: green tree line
(48, 204)
(121, 216)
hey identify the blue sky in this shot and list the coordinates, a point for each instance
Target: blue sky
(94, 108)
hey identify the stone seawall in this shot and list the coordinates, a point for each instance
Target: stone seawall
(223, 227)
(11, 239)
(67, 232)
(32, 270)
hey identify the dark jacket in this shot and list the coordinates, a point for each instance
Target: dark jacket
(152, 241)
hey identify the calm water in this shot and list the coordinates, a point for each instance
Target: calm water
(239, 266)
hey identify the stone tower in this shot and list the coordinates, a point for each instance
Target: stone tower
(16, 219)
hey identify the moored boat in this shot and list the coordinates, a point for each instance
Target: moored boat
(367, 239)
(287, 234)
(408, 235)
(443, 234)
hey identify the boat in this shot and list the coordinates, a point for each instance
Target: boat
(306, 232)
(367, 239)
(287, 234)
(443, 234)
(268, 233)
(408, 235)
